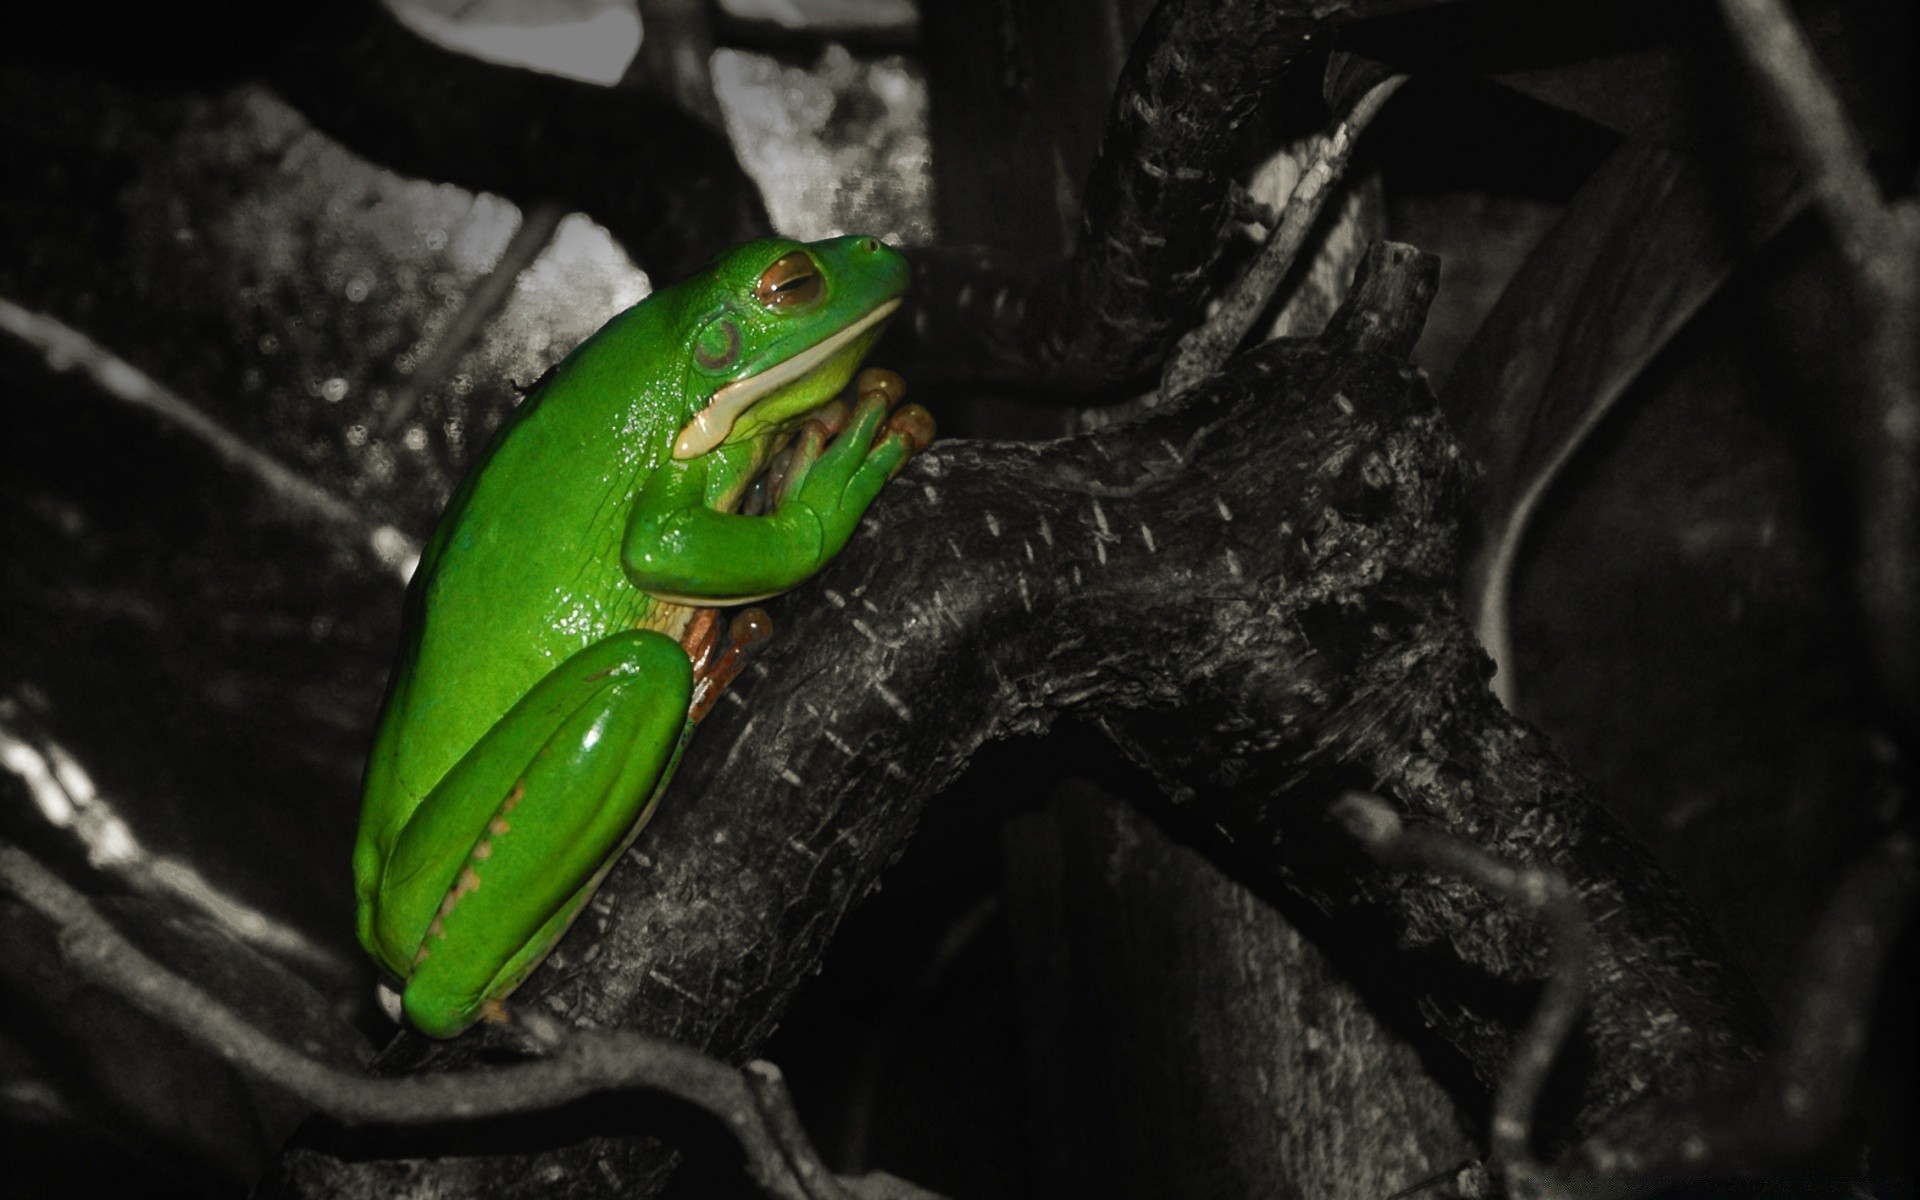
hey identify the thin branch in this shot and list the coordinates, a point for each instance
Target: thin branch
(1545, 895)
(66, 347)
(1818, 129)
(1201, 352)
(538, 224)
(1467, 1178)
(876, 1052)
(754, 1107)
(769, 1088)
(1880, 243)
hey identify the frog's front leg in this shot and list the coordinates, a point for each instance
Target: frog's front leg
(503, 853)
(678, 548)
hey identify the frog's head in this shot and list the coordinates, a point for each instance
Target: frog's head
(781, 330)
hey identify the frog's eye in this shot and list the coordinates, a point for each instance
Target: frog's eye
(792, 282)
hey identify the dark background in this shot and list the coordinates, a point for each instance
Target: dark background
(191, 659)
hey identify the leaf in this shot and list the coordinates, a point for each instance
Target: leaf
(1643, 244)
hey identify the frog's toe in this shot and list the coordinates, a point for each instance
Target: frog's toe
(880, 381)
(832, 417)
(750, 629)
(915, 423)
(701, 638)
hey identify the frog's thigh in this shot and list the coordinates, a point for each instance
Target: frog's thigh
(554, 790)
(443, 831)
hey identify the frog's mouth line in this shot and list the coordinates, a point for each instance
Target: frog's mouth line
(711, 425)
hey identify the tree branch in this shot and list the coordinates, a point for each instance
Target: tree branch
(486, 300)
(1202, 351)
(1786, 1110)
(1880, 243)
(1819, 132)
(1158, 202)
(1545, 895)
(754, 1106)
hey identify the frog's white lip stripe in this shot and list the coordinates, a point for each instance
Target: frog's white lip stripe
(711, 424)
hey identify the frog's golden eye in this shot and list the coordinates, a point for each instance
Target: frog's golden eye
(792, 282)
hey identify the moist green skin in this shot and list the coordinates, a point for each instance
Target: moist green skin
(540, 700)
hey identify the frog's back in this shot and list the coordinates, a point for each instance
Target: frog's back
(524, 568)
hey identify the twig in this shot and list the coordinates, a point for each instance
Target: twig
(66, 347)
(1201, 352)
(769, 1088)
(537, 226)
(1818, 128)
(1533, 890)
(1463, 1177)
(758, 1113)
(1880, 243)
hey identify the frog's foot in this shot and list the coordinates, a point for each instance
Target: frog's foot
(833, 457)
(494, 1012)
(910, 421)
(711, 676)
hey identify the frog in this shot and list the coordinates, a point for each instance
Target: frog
(559, 638)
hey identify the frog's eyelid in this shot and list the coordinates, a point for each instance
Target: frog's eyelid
(800, 283)
(711, 424)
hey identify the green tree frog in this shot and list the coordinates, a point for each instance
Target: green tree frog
(544, 693)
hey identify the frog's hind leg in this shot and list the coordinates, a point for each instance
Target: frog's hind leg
(522, 830)
(716, 660)
(516, 969)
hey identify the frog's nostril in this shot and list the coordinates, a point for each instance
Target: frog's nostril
(870, 245)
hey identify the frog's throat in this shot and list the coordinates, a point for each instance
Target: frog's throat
(711, 425)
